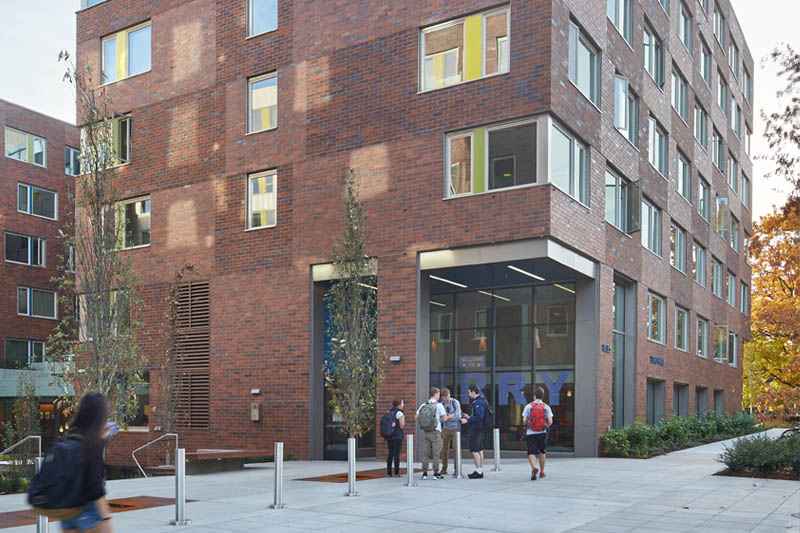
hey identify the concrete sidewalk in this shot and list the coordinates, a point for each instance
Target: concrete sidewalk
(676, 492)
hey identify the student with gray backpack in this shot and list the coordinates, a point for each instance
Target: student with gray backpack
(430, 416)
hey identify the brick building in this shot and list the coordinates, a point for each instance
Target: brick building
(36, 180)
(557, 195)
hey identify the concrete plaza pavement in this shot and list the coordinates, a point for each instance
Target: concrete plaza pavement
(675, 492)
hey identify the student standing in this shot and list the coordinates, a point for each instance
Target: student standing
(450, 430)
(430, 416)
(538, 417)
(395, 442)
(476, 424)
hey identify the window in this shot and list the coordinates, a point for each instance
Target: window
(734, 234)
(701, 126)
(70, 258)
(748, 87)
(569, 164)
(72, 161)
(704, 5)
(720, 343)
(126, 53)
(37, 303)
(459, 167)
(705, 62)
(680, 99)
(655, 323)
(719, 401)
(702, 337)
(736, 118)
(262, 16)
(665, 5)
(653, 55)
(747, 138)
(718, 150)
(703, 198)
(722, 93)
(120, 137)
(733, 173)
(584, 69)
(746, 248)
(626, 110)
(744, 298)
(464, 49)
(512, 155)
(25, 147)
(658, 148)
(623, 202)
(619, 11)
(719, 26)
(677, 247)
(25, 250)
(134, 215)
(262, 103)
(746, 191)
(651, 227)
(716, 277)
(685, 26)
(681, 329)
(38, 202)
(261, 199)
(683, 176)
(699, 263)
(723, 216)
(733, 349)
(733, 58)
(21, 353)
(731, 297)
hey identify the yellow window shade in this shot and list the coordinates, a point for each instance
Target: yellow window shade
(30, 148)
(473, 32)
(122, 54)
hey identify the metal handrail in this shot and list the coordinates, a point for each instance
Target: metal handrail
(164, 436)
(38, 439)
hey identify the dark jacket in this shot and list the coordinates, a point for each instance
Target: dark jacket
(398, 431)
(475, 421)
(94, 472)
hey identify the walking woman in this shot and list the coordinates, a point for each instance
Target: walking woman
(395, 442)
(89, 426)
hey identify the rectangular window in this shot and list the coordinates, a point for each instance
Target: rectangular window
(719, 26)
(744, 299)
(748, 87)
(736, 118)
(653, 55)
(126, 53)
(26, 147)
(747, 139)
(681, 329)
(655, 324)
(623, 202)
(733, 173)
(25, 250)
(262, 199)
(722, 93)
(626, 110)
(70, 258)
(704, 198)
(262, 16)
(38, 202)
(464, 49)
(701, 126)
(512, 155)
(733, 349)
(716, 277)
(134, 215)
(459, 167)
(699, 263)
(677, 247)
(21, 353)
(683, 176)
(664, 5)
(262, 103)
(733, 58)
(702, 337)
(619, 11)
(700, 401)
(657, 146)
(36, 302)
(651, 227)
(584, 67)
(680, 98)
(569, 164)
(735, 234)
(746, 248)
(720, 343)
(731, 298)
(705, 62)
(718, 150)
(685, 26)
(723, 216)
(72, 161)
(119, 136)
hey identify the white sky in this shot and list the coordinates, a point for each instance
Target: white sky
(32, 32)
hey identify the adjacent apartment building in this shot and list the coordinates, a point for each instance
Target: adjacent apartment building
(558, 195)
(36, 180)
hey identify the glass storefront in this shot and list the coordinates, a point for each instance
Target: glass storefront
(508, 340)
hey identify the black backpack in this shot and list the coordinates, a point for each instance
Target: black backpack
(388, 422)
(488, 415)
(56, 490)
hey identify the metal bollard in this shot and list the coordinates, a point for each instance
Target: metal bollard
(180, 489)
(496, 445)
(42, 524)
(278, 499)
(351, 467)
(410, 462)
(458, 473)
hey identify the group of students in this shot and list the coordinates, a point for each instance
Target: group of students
(440, 419)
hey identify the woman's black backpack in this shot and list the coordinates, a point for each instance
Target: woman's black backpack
(56, 490)
(388, 423)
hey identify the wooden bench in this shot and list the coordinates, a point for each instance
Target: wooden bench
(207, 461)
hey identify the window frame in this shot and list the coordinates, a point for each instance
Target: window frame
(733, 349)
(699, 261)
(724, 357)
(701, 346)
(746, 191)
(42, 247)
(656, 56)
(733, 57)
(661, 326)
(30, 189)
(652, 233)
(731, 285)
(680, 95)
(683, 176)
(716, 278)
(121, 218)
(29, 302)
(624, 11)
(249, 106)
(722, 93)
(248, 213)
(578, 36)
(70, 151)
(705, 64)
(30, 140)
(114, 36)
(685, 329)
(31, 349)
(719, 24)
(717, 150)
(627, 196)
(704, 200)
(733, 173)
(701, 124)
(735, 235)
(249, 20)
(677, 247)
(686, 28)
(657, 135)
(579, 177)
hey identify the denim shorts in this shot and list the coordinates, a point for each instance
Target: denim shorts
(88, 518)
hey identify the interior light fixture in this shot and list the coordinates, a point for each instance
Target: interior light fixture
(437, 278)
(368, 286)
(496, 296)
(440, 304)
(564, 288)
(534, 276)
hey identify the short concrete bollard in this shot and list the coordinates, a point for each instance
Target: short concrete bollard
(277, 502)
(458, 473)
(180, 489)
(410, 461)
(496, 447)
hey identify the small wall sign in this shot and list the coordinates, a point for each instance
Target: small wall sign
(657, 360)
(606, 348)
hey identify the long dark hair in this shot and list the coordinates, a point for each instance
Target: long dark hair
(90, 420)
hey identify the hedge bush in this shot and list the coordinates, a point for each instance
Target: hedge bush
(643, 440)
(762, 454)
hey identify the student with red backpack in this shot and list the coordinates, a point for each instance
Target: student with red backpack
(538, 417)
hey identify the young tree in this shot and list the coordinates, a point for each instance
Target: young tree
(95, 339)
(355, 368)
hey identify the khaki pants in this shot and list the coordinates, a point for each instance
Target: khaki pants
(448, 436)
(431, 449)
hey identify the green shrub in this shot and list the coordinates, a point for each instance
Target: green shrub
(762, 454)
(744, 453)
(615, 442)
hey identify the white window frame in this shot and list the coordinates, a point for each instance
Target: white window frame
(704, 198)
(722, 93)
(683, 176)
(29, 302)
(113, 36)
(716, 278)
(652, 229)
(733, 173)
(736, 118)
(42, 250)
(579, 177)
(250, 82)
(577, 36)
(747, 88)
(744, 298)
(658, 138)
(733, 349)
(27, 145)
(724, 356)
(680, 95)
(121, 219)
(622, 18)
(655, 56)
(705, 63)
(701, 332)
(685, 312)
(274, 201)
(746, 191)
(699, 261)
(719, 26)
(730, 297)
(735, 234)
(626, 110)
(31, 348)
(68, 152)
(733, 57)
(685, 26)
(677, 256)
(448, 186)
(717, 151)
(701, 126)
(661, 315)
(249, 26)
(29, 189)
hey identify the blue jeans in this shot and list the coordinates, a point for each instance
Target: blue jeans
(88, 518)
